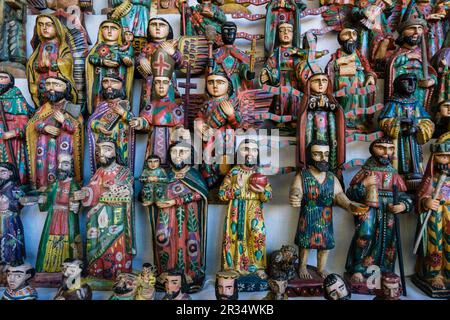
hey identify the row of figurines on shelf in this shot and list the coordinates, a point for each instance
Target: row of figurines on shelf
(376, 197)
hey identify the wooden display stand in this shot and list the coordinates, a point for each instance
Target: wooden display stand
(306, 288)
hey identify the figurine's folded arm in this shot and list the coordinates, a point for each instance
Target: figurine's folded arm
(426, 130)
(390, 126)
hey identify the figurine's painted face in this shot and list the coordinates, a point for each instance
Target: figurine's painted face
(278, 286)
(225, 286)
(125, 285)
(442, 158)
(4, 203)
(128, 36)
(180, 156)
(319, 84)
(110, 31)
(229, 34)
(173, 284)
(320, 157)
(286, 34)
(444, 109)
(153, 163)
(5, 174)
(217, 86)
(17, 276)
(412, 35)
(46, 28)
(107, 153)
(383, 152)
(407, 86)
(391, 291)
(111, 88)
(159, 30)
(249, 153)
(4, 79)
(348, 40)
(164, 4)
(338, 290)
(64, 167)
(161, 85)
(53, 85)
(71, 269)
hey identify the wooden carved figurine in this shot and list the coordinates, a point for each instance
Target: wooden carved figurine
(108, 53)
(145, 283)
(154, 181)
(13, 50)
(433, 207)
(179, 221)
(336, 288)
(51, 58)
(226, 285)
(277, 287)
(379, 186)
(124, 287)
(314, 190)
(246, 190)
(14, 115)
(72, 286)
(348, 68)
(111, 118)
(284, 261)
(175, 285)
(405, 120)
(17, 278)
(391, 288)
(60, 239)
(110, 219)
(12, 238)
(441, 98)
(57, 127)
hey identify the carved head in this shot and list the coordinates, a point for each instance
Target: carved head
(57, 89)
(161, 86)
(7, 173)
(175, 283)
(229, 31)
(348, 39)
(444, 108)
(180, 155)
(226, 285)
(217, 85)
(391, 288)
(285, 34)
(18, 276)
(278, 283)
(106, 153)
(72, 268)
(153, 162)
(65, 166)
(382, 150)
(317, 155)
(159, 30)
(125, 285)
(405, 84)
(411, 31)
(248, 152)
(112, 88)
(45, 27)
(318, 83)
(335, 288)
(110, 31)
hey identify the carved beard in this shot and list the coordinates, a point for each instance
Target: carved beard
(249, 161)
(322, 166)
(225, 297)
(3, 182)
(178, 166)
(108, 162)
(63, 175)
(349, 46)
(54, 97)
(122, 290)
(111, 95)
(410, 41)
(441, 167)
(173, 295)
(384, 161)
(5, 87)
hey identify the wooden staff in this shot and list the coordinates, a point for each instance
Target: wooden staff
(399, 241)
(253, 55)
(426, 76)
(8, 142)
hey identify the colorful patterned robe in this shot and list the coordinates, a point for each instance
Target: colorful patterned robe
(110, 223)
(13, 47)
(12, 239)
(409, 151)
(343, 80)
(43, 149)
(375, 239)
(60, 237)
(122, 133)
(197, 22)
(212, 114)
(161, 117)
(136, 19)
(180, 231)
(17, 112)
(244, 242)
(153, 191)
(25, 293)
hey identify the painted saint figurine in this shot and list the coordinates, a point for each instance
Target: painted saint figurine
(377, 185)
(124, 287)
(17, 278)
(14, 115)
(314, 190)
(284, 261)
(154, 181)
(215, 122)
(108, 53)
(12, 238)
(72, 286)
(51, 57)
(179, 221)
(111, 119)
(391, 288)
(60, 239)
(226, 286)
(110, 219)
(335, 288)
(277, 287)
(348, 68)
(175, 285)
(405, 120)
(321, 118)
(57, 127)
(145, 283)
(433, 200)
(246, 190)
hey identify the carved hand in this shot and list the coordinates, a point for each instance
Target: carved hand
(42, 199)
(165, 204)
(413, 56)
(52, 130)
(257, 189)
(59, 116)
(103, 130)
(207, 12)
(370, 81)
(136, 123)
(110, 63)
(430, 204)
(436, 16)
(426, 83)
(396, 208)
(169, 47)
(264, 77)
(8, 135)
(240, 180)
(74, 206)
(227, 108)
(117, 109)
(294, 197)
(146, 66)
(79, 195)
(370, 180)
(127, 61)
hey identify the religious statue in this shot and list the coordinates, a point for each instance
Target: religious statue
(226, 286)
(145, 283)
(162, 115)
(379, 186)
(13, 49)
(246, 190)
(441, 97)
(18, 288)
(433, 207)
(321, 118)
(277, 285)
(51, 57)
(60, 239)
(110, 219)
(72, 286)
(15, 113)
(179, 221)
(154, 181)
(233, 61)
(314, 190)
(215, 124)
(12, 238)
(108, 53)
(391, 288)
(176, 286)
(124, 287)
(335, 288)
(57, 127)
(160, 35)
(111, 118)
(349, 69)
(409, 59)
(405, 120)
(284, 261)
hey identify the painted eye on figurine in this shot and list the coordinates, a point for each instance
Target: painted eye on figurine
(192, 248)
(64, 146)
(332, 106)
(40, 151)
(162, 238)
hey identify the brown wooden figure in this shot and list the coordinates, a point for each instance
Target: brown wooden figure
(284, 261)
(72, 286)
(391, 288)
(226, 285)
(18, 287)
(145, 283)
(336, 288)
(277, 287)
(175, 285)
(124, 287)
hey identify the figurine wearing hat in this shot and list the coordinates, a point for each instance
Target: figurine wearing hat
(18, 287)
(111, 118)
(162, 116)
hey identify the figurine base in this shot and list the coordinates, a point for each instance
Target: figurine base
(306, 288)
(252, 283)
(99, 284)
(358, 287)
(429, 290)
